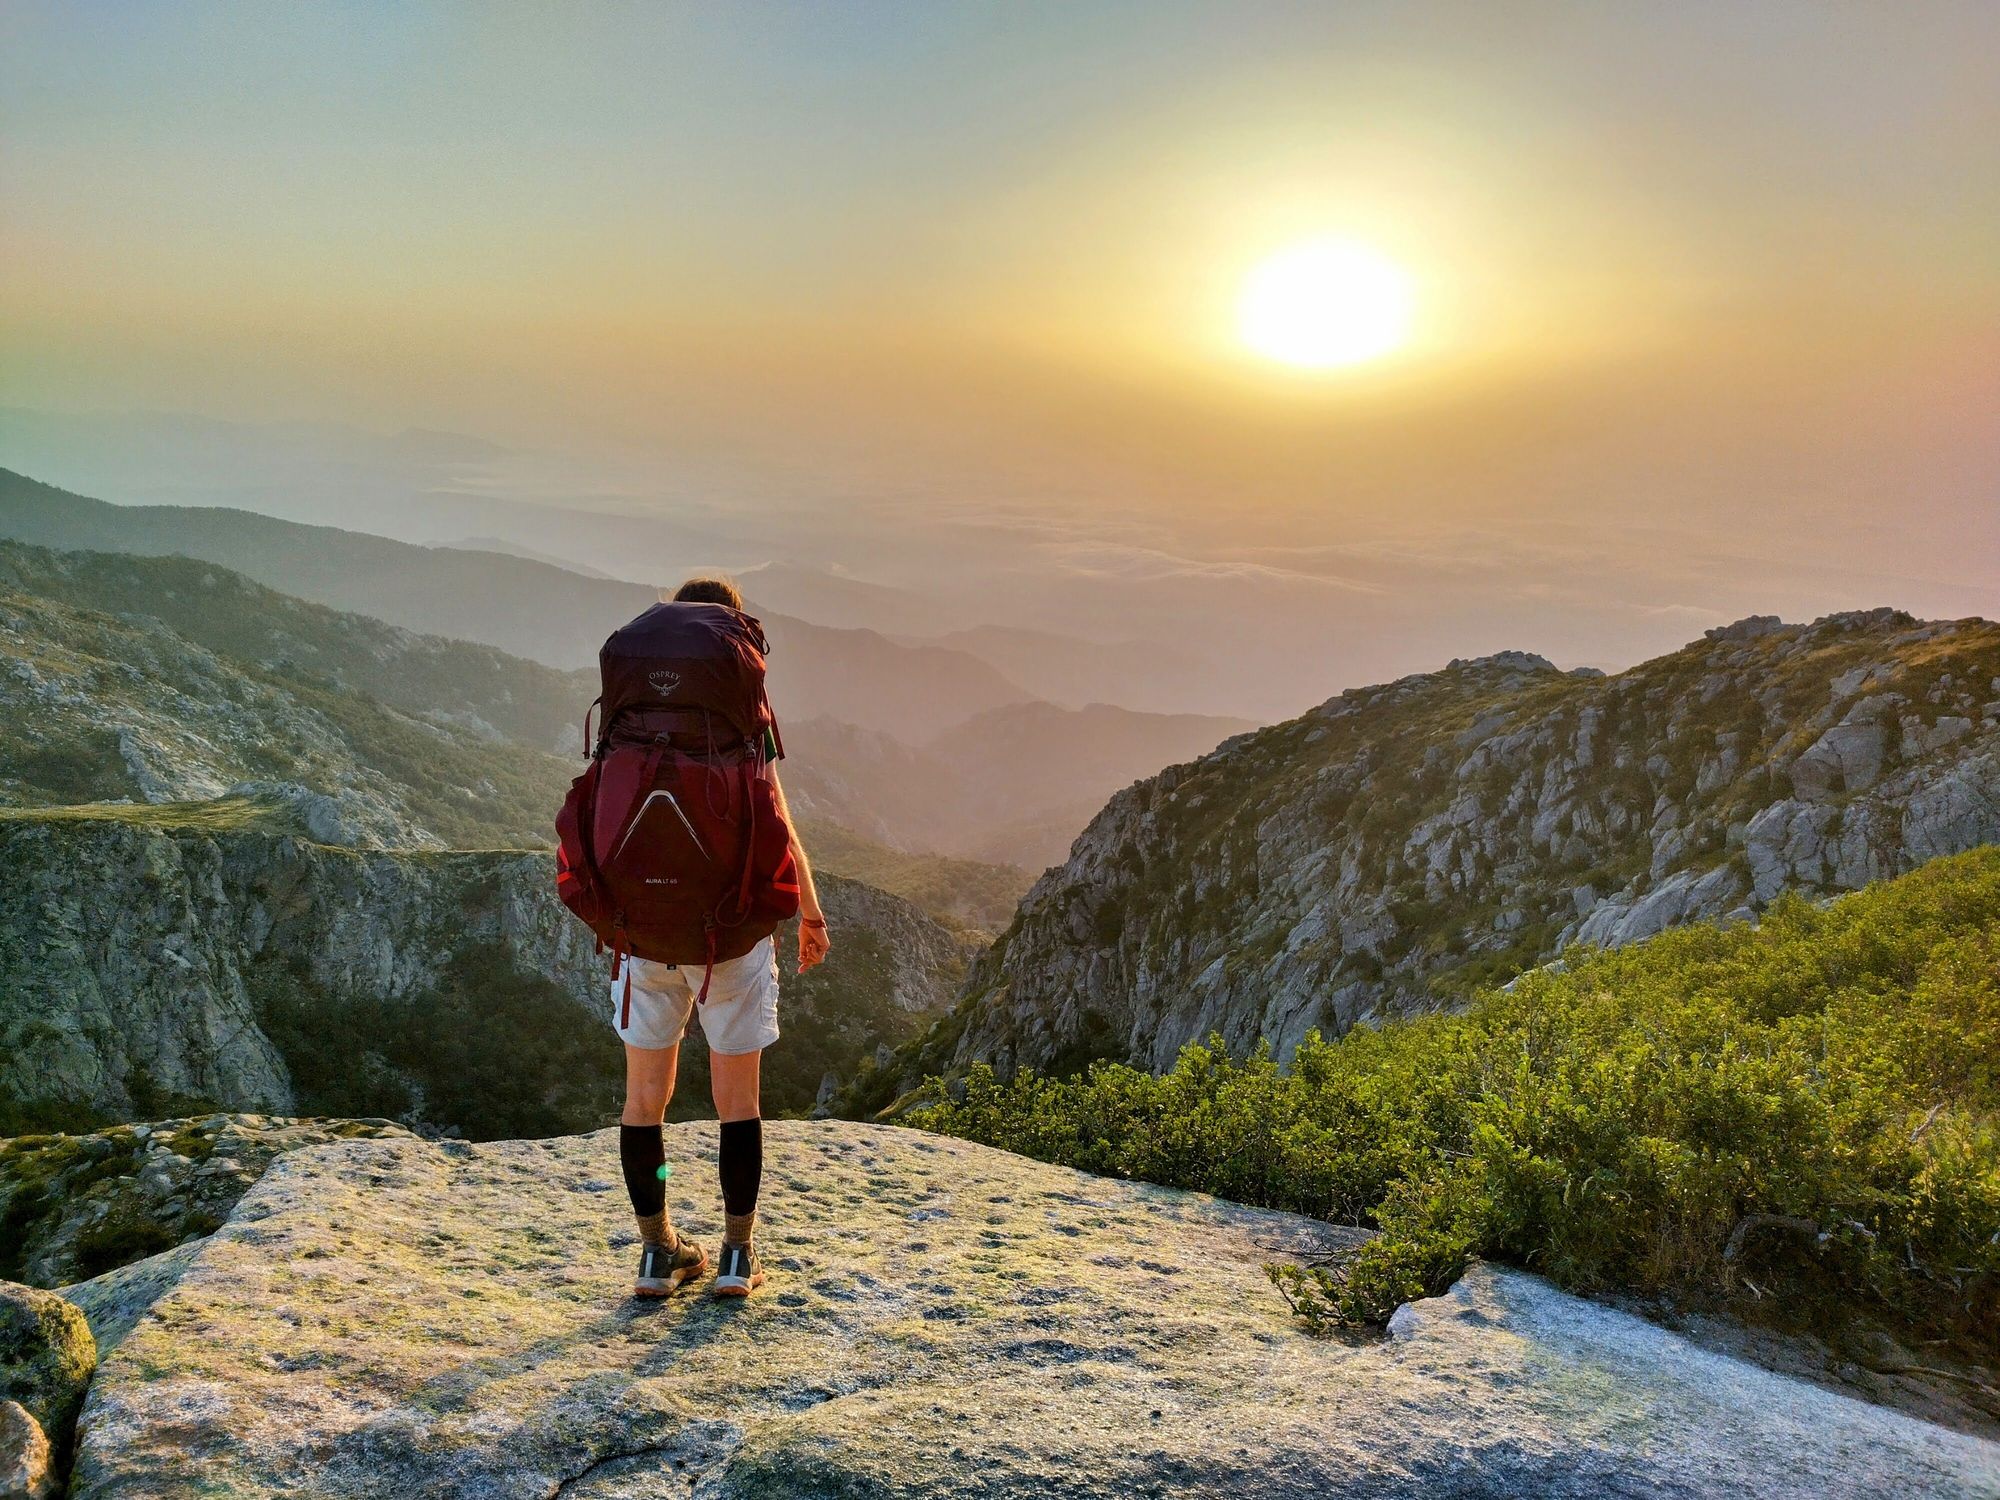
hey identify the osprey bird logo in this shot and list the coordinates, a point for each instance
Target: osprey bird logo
(664, 682)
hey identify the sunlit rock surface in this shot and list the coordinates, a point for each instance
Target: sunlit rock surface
(412, 1318)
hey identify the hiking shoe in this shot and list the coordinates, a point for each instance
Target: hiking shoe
(737, 1273)
(663, 1269)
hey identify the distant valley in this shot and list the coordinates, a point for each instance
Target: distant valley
(1013, 785)
(921, 747)
(260, 832)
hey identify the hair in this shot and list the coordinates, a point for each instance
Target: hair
(710, 589)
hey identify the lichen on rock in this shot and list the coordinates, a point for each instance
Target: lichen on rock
(442, 1319)
(47, 1357)
(27, 1464)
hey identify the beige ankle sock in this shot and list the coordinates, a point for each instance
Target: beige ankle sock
(738, 1228)
(654, 1228)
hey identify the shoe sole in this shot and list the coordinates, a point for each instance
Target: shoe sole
(736, 1286)
(655, 1287)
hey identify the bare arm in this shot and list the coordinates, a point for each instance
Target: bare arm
(813, 942)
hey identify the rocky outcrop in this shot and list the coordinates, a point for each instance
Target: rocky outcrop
(75, 1206)
(1401, 845)
(416, 1318)
(142, 965)
(47, 1357)
(27, 1463)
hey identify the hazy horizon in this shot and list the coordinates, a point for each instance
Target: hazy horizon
(1706, 304)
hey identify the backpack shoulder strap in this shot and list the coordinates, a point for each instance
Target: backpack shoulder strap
(586, 823)
(771, 718)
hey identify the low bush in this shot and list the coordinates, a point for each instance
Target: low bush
(1803, 1111)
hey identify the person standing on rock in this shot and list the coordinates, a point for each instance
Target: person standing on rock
(678, 849)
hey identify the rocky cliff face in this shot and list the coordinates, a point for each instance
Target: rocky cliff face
(1401, 844)
(143, 965)
(440, 1319)
(134, 955)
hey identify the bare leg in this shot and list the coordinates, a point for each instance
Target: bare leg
(649, 1083)
(735, 1084)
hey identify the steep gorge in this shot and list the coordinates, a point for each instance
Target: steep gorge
(147, 966)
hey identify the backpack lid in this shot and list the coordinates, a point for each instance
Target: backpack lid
(699, 657)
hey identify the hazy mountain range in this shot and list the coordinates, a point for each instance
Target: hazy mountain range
(998, 789)
(1388, 851)
(527, 608)
(1237, 608)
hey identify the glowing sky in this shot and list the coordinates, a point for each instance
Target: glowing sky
(1722, 274)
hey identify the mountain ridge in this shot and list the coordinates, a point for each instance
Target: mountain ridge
(1403, 844)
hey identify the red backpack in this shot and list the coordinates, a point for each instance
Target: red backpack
(671, 846)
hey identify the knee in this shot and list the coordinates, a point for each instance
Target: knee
(735, 1096)
(644, 1106)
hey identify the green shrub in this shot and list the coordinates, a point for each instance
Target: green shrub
(1806, 1108)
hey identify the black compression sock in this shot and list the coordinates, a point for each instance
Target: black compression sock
(642, 1151)
(740, 1164)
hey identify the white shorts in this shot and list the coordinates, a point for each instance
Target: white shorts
(740, 1014)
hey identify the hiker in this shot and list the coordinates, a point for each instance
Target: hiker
(678, 849)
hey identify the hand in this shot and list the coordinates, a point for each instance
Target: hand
(813, 941)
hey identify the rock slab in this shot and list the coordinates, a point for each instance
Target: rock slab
(46, 1359)
(416, 1318)
(27, 1469)
(78, 1205)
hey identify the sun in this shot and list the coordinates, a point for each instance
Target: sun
(1325, 303)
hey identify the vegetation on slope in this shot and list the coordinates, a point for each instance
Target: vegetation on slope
(495, 1053)
(1406, 846)
(961, 893)
(1804, 1114)
(215, 815)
